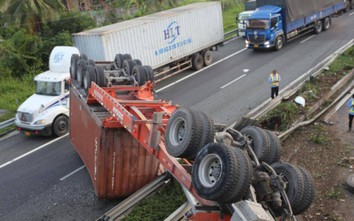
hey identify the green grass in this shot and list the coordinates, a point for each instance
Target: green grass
(160, 205)
(344, 61)
(13, 92)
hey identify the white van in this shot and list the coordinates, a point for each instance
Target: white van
(241, 25)
(47, 111)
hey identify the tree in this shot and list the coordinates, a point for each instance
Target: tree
(30, 14)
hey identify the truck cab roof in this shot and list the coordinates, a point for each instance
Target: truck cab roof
(265, 11)
(52, 76)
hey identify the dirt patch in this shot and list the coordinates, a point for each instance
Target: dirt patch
(325, 151)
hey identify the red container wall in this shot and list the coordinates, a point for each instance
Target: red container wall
(117, 163)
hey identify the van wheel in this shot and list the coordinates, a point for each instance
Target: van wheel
(208, 57)
(61, 125)
(197, 62)
(326, 23)
(279, 42)
(318, 26)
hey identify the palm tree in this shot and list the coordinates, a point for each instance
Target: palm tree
(30, 14)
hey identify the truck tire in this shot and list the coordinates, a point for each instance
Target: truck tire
(197, 62)
(318, 26)
(279, 43)
(216, 173)
(137, 62)
(309, 192)
(89, 76)
(81, 66)
(100, 78)
(347, 6)
(84, 57)
(118, 61)
(139, 74)
(259, 141)
(245, 178)
(91, 62)
(61, 125)
(128, 66)
(127, 57)
(293, 179)
(274, 148)
(326, 23)
(73, 66)
(149, 73)
(183, 133)
(208, 57)
(207, 131)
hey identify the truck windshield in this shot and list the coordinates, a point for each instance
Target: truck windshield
(257, 24)
(48, 88)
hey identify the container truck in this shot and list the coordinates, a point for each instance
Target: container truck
(170, 41)
(276, 22)
(46, 112)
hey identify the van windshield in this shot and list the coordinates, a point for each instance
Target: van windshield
(257, 24)
(48, 88)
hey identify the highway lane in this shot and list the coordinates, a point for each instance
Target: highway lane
(205, 90)
(31, 188)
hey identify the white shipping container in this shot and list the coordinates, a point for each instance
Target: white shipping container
(156, 39)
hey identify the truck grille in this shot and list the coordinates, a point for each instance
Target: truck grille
(25, 117)
(256, 39)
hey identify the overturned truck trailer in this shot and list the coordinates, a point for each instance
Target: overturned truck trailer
(123, 134)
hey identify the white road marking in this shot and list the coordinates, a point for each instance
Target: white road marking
(75, 171)
(197, 72)
(246, 70)
(307, 39)
(351, 14)
(32, 151)
(233, 81)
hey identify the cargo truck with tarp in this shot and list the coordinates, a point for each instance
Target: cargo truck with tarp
(276, 22)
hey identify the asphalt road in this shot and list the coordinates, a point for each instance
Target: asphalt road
(37, 186)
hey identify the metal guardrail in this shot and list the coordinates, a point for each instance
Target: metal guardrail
(7, 123)
(230, 32)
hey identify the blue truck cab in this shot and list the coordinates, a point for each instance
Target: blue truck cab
(276, 22)
(264, 27)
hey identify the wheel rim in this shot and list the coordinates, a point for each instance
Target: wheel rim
(319, 26)
(326, 23)
(207, 57)
(280, 43)
(210, 170)
(62, 126)
(178, 131)
(85, 82)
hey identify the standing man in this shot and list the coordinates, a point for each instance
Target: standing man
(350, 105)
(274, 79)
